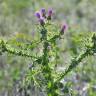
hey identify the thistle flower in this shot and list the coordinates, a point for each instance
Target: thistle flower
(50, 12)
(43, 12)
(64, 27)
(37, 14)
(41, 21)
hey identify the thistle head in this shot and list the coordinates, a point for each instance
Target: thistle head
(41, 21)
(50, 12)
(43, 12)
(37, 14)
(64, 27)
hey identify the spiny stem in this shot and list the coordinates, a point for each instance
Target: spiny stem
(89, 51)
(18, 52)
(46, 70)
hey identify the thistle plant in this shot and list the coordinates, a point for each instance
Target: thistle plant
(42, 72)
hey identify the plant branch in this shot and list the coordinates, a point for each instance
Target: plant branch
(7, 48)
(89, 51)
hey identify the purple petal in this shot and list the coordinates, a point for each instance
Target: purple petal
(37, 14)
(43, 10)
(50, 12)
(64, 27)
(42, 22)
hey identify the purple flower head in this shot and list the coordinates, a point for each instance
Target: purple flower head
(43, 12)
(37, 14)
(50, 12)
(41, 21)
(64, 27)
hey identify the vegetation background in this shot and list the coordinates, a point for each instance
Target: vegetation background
(17, 22)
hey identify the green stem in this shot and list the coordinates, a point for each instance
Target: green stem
(11, 50)
(51, 91)
(89, 51)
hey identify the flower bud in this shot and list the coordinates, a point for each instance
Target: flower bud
(37, 14)
(63, 28)
(41, 20)
(50, 12)
(43, 12)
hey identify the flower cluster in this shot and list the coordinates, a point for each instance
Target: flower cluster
(42, 15)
